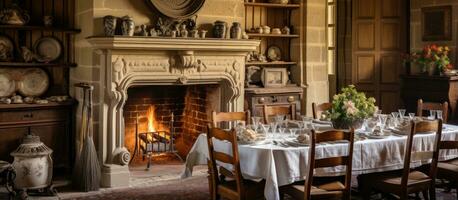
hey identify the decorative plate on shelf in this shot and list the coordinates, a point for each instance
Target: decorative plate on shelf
(48, 48)
(33, 82)
(7, 84)
(6, 49)
(274, 53)
(177, 9)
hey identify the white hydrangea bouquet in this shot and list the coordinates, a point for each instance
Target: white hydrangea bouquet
(350, 108)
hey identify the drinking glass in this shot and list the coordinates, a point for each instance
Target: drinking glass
(402, 112)
(382, 121)
(307, 121)
(432, 114)
(411, 116)
(265, 129)
(273, 128)
(439, 114)
(282, 131)
(293, 132)
(370, 124)
(394, 119)
(256, 122)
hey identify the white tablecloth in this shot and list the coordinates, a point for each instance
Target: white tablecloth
(284, 165)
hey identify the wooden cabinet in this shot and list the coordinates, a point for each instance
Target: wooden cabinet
(256, 98)
(52, 122)
(430, 88)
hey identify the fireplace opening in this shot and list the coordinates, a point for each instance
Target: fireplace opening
(163, 122)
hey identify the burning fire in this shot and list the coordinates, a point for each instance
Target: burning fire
(151, 117)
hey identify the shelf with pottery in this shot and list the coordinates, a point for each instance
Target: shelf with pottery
(25, 64)
(273, 63)
(273, 5)
(40, 28)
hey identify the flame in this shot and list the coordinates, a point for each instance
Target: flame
(151, 117)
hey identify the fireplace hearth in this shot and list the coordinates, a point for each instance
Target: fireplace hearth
(129, 62)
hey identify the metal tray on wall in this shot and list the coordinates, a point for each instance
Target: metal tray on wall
(177, 9)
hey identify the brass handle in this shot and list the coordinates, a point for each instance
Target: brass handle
(291, 99)
(261, 100)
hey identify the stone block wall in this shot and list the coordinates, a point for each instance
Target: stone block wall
(416, 42)
(316, 68)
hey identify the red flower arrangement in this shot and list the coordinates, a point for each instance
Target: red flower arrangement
(431, 54)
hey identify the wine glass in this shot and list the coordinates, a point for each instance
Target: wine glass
(273, 128)
(439, 114)
(432, 114)
(411, 116)
(265, 129)
(256, 121)
(370, 124)
(382, 121)
(394, 119)
(293, 132)
(282, 131)
(402, 112)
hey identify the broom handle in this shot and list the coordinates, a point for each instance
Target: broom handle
(89, 107)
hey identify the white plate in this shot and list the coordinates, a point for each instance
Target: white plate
(274, 53)
(7, 84)
(34, 82)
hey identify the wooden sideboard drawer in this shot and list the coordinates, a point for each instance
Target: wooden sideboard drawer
(276, 99)
(34, 115)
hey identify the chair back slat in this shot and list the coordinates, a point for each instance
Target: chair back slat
(286, 109)
(448, 145)
(331, 162)
(222, 157)
(231, 137)
(421, 127)
(333, 135)
(344, 160)
(426, 106)
(218, 117)
(317, 109)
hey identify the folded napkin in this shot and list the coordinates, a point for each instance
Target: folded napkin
(247, 136)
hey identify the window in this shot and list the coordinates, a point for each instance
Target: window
(331, 35)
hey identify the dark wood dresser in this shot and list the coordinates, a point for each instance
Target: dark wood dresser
(52, 122)
(256, 98)
(430, 88)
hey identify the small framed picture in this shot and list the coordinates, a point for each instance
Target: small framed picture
(436, 23)
(274, 77)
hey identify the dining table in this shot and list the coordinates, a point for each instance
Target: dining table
(281, 161)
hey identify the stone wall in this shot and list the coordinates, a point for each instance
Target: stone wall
(315, 48)
(416, 42)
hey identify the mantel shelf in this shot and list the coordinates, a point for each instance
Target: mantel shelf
(271, 63)
(40, 28)
(273, 35)
(273, 5)
(177, 44)
(24, 64)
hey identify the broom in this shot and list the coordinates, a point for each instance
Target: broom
(87, 168)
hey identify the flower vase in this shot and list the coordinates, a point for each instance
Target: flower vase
(345, 124)
(431, 69)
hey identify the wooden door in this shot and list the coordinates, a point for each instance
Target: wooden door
(379, 36)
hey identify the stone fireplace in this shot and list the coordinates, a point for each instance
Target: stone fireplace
(130, 63)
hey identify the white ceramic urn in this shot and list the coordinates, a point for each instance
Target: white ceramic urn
(33, 164)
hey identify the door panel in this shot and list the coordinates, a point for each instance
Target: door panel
(379, 37)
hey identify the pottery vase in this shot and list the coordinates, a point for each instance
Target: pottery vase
(128, 26)
(33, 164)
(236, 31)
(183, 31)
(109, 25)
(431, 69)
(219, 29)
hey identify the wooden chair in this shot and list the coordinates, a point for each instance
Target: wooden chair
(408, 181)
(287, 109)
(318, 109)
(330, 190)
(227, 183)
(426, 106)
(218, 117)
(449, 169)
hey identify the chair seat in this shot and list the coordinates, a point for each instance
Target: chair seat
(448, 169)
(331, 190)
(253, 189)
(391, 183)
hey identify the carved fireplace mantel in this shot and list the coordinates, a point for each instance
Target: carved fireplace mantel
(131, 61)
